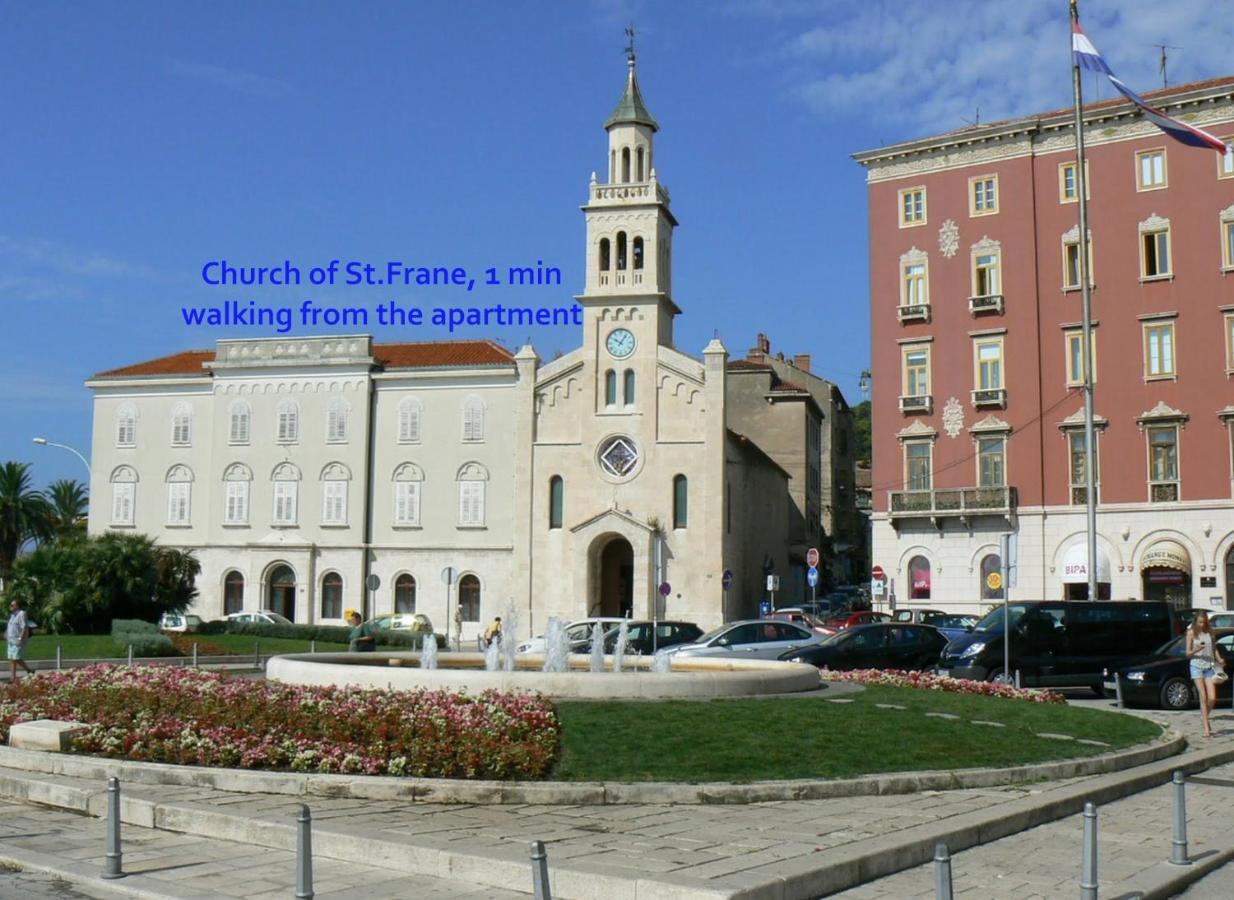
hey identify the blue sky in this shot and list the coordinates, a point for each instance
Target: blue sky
(145, 139)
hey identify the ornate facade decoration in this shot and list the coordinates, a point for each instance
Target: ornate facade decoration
(953, 417)
(949, 238)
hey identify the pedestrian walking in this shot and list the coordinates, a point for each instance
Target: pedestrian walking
(17, 633)
(361, 638)
(1202, 656)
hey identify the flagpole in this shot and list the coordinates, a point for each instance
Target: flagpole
(1081, 184)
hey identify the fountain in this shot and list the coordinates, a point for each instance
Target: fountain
(556, 647)
(597, 648)
(428, 655)
(492, 655)
(662, 664)
(623, 637)
(509, 638)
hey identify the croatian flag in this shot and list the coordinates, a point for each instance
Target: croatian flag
(1087, 57)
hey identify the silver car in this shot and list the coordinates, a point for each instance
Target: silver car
(578, 635)
(750, 639)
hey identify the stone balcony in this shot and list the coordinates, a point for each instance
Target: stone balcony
(951, 503)
(623, 193)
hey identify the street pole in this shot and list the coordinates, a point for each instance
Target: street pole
(43, 442)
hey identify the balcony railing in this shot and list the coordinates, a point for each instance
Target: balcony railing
(919, 311)
(953, 502)
(923, 403)
(990, 397)
(1164, 491)
(987, 304)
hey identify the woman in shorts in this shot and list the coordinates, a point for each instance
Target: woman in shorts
(1202, 655)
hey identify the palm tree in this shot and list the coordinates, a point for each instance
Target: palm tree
(23, 514)
(68, 504)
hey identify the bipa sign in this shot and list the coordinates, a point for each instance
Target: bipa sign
(1076, 569)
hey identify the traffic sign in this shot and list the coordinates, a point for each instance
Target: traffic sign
(448, 574)
(812, 557)
(877, 573)
(764, 608)
(665, 589)
(726, 580)
(994, 581)
(373, 582)
(877, 585)
(812, 576)
(773, 582)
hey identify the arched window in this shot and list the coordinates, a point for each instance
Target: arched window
(605, 255)
(407, 480)
(556, 501)
(404, 594)
(612, 166)
(991, 564)
(628, 394)
(286, 480)
(236, 482)
(233, 593)
(638, 253)
(288, 422)
(469, 598)
(610, 388)
(126, 426)
(123, 495)
(471, 481)
(332, 596)
(640, 164)
(473, 419)
(334, 479)
(238, 431)
(282, 599)
(919, 578)
(681, 501)
(336, 421)
(182, 425)
(179, 495)
(625, 164)
(621, 250)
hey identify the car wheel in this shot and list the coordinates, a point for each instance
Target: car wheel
(998, 676)
(1177, 693)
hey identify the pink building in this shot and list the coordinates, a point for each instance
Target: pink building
(975, 308)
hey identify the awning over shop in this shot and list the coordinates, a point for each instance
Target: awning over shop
(1075, 566)
(1166, 555)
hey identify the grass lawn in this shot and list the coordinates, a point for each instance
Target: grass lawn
(758, 739)
(101, 646)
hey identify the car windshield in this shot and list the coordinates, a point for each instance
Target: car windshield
(1174, 647)
(713, 634)
(838, 638)
(993, 620)
(280, 620)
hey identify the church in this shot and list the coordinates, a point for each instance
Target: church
(459, 479)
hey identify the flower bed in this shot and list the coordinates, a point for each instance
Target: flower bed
(185, 716)
(926, 681)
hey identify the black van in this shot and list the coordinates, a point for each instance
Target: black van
(1062, 642)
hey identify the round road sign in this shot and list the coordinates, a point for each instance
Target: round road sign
(877, 573)
(812, 576)
(812, 557)
(726, 580)
(665, 589)
(994, 581)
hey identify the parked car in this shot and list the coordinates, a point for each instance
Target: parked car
(851, 620)
(1221, 620)
(914, 615)
(180, 622)
(578, 635)
(1163, 678)
(1061, 642)
(749, 639)
(402, 622)
(951, 625)
(799, 617)
(260, 617)
(646, 638)
(886, 645)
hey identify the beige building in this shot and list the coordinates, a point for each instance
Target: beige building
(299, 468)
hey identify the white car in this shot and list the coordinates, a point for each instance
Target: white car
(262, 617)
(578, 635)
(180, 622)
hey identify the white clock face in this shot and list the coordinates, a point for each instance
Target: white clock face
(620, 343)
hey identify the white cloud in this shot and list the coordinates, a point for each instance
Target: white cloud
(914, 67)
(232, 79)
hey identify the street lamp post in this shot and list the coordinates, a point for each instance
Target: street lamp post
(43, 442)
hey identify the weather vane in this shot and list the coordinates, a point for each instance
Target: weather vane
(630, 46)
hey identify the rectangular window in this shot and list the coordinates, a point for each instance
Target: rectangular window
(285, 495)
(914, 285)
(236, 505)
(1155, 254)
(917, 372)
(334, 503)
(985, 275)
(178, 502)
(988, 362)
(1229, 342)
(407, 503)
(1068, 184)
(917, 465)
(1163, 462)
(983, 195)
(1079, 467)
(1071, 264)
(1225, 164)
(1227, 244)
(123, 493)
(181, 431)
(288, 425)
(471, 502)
(1159, 350)
(912, 207)
(991, 470)
(1150, 164)
(1074, 342)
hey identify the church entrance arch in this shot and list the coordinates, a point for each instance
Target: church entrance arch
(283, 592)
(616, 578)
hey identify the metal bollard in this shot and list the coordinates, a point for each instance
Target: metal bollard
(1088, 865)
(130, 654)
(59, 658)
(194, 654)
(1178, 848)
(304, 854)
(256, 654)
(539, 872)
(312, 646)
(1118, 690)
(1017, 678)
(942, 873)
(114, 856)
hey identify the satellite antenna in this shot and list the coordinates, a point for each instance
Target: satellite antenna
(1161, 66)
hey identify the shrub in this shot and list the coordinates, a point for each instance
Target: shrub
(144, 644)
(926, 681)
(133, 626)
(338, 634)
(186, 716)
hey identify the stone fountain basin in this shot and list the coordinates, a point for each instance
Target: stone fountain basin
(691, 677)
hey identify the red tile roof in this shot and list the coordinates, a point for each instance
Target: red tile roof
(746, 365)
(422, 355)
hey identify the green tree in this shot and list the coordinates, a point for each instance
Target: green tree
(68, 504)
(861, 431)
(23, 514)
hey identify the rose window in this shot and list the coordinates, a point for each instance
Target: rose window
(618, 456)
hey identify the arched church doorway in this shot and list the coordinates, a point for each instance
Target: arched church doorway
(616, 580)
(283, 592)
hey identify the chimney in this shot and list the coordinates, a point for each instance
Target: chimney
(802, 361)
(762, 346)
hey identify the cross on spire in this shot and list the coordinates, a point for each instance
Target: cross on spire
(630, 45)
